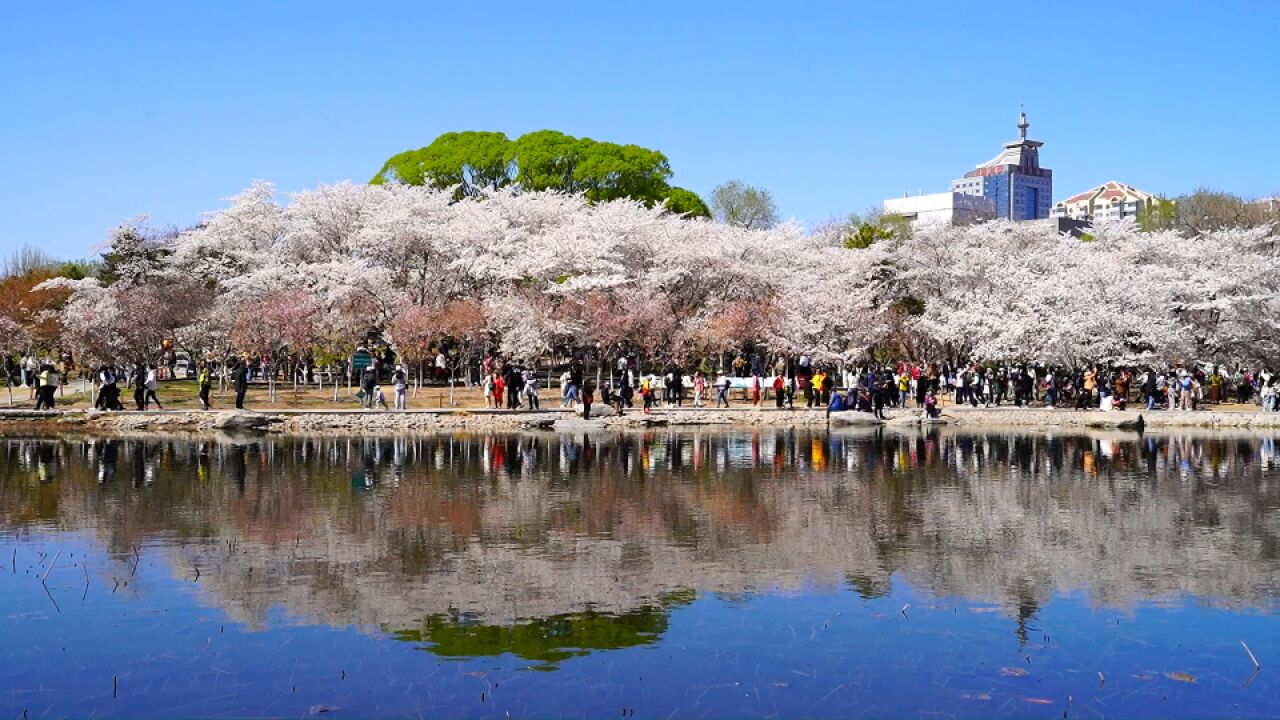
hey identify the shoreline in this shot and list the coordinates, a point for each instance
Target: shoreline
(298, 422)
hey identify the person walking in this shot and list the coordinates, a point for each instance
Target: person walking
(240, 381)
(722, 391)
(205, 383)
(152, 385)
(47, 381)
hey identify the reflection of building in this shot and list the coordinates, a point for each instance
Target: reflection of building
(948, 208)
(1108, 202)
(1014, 180)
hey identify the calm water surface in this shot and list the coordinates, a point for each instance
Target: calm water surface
(688, 574)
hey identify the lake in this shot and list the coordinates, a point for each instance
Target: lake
(659, 574)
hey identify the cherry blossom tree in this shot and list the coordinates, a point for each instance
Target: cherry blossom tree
(538, 274)
(14, 340)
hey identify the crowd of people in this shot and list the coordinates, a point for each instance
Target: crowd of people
(784, 383)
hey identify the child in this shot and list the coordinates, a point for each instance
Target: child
(380, 397)
(931, 405)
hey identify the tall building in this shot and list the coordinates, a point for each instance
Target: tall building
(1106, 203)
(1014, 180)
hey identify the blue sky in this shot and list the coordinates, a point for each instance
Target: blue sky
(110, 110)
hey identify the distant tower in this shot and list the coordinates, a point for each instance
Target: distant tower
(1014, 180)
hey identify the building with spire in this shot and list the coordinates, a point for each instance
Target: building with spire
(1013, 180)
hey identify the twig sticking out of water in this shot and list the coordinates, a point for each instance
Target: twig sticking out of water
(1256, 665)
(85, 568)
(115, 686)
(1102, 680)
(50, 568)
(15, 561)
(904, 610)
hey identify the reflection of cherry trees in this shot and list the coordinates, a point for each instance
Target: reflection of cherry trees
(386, 531)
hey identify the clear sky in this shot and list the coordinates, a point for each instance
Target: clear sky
(110, 110)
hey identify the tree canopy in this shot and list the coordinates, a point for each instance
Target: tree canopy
(533, 273)
(741, 205)
(1205, 210)
(473, 162)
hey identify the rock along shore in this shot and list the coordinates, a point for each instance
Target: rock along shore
(371, 422)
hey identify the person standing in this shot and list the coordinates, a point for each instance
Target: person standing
(498, 386)
(400, 381)
(879, 395)
(205, 383)
(513, 381)
(240, 380)
(531, 389)
(626, 392)
(368, 379)
(138, 381)
(1186, 385)
(588, 395)
(699, 389)
(779, 390)
(486, 383)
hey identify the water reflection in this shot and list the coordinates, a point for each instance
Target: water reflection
(545, 545)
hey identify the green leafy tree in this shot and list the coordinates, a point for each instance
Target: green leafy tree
(1159, 214)
(875, 226)
(548, 160)
(471, 161)
(609, 172)
(686, 202)
(542, 160)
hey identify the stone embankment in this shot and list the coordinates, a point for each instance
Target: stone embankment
(365, 421)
